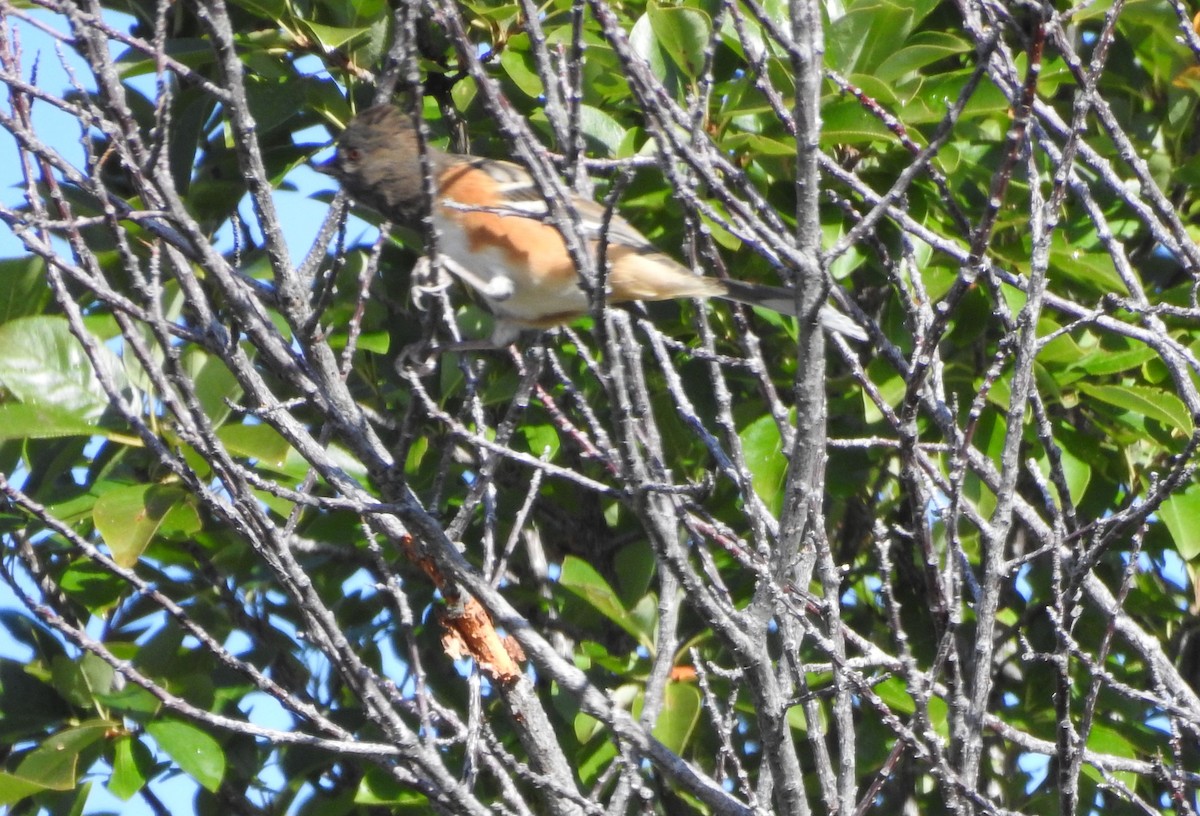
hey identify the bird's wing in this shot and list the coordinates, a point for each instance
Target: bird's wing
(524, 197)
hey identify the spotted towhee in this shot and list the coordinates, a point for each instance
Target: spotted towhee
(494, 234)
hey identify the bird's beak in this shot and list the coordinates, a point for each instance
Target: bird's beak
(328, 168)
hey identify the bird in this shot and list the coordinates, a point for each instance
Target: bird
(494, 233)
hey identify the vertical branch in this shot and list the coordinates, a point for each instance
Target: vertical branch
(995, 536)
(801, 523)
(801, 516)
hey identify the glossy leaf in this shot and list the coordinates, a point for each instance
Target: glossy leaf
(584, 581)
(764, 457)
(23, 289)
(41, 363)
(680, 714)
(54, 764)
(197, 753)
(128, 517)
(1181, 514)
(683, 33)
(1142, 401)
(20, 420)
(132, 764)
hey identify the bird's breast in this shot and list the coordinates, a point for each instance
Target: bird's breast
(543, 286)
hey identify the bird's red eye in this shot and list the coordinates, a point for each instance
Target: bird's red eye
(353, 154)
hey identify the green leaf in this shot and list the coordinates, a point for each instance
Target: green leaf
(502, 13)
(97, 674)
(601, 129)
(868, 33)
(416, 455)
(274, 100)
(1092, 269)
(93, 586)
(42, 363)
(132, 765)
(192, 52)
(127, 517)
(68, 679)
(31, 705)
(581, 578)
(895, 693)
(646, 45)
(20, 420)
(847, 122)
(921, 50)
(267, 9)
(264, 444)
(797, 719)
(765, 459)
(540, 439)
(1105, 362)
(215, 384)
(755, 144)
(683, 33)
(679, 715)
(333, 37)
(634, 566)
(1078, 472)
(377, 342)
(929, 105)
(594, 760)
(260, 442)
(194, 751)
(13, 788)
(645, 613)
(23, 289)
(378, 787)
(132, 700)
(1162, 406)
(586, 726)
(518, 66)
(1107, 740)
(53, 765)
(1179, 513)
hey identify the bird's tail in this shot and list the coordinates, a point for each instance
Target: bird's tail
(781, 300)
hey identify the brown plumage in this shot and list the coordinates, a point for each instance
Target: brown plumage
(493, 232)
